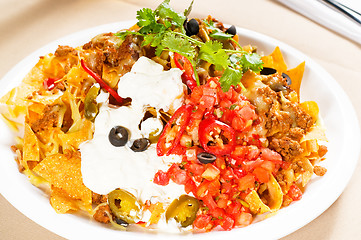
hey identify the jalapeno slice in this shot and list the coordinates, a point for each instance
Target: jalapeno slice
(90, 105)
(183, 210)
(123, 205)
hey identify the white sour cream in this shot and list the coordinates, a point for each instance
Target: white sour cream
(106, 167)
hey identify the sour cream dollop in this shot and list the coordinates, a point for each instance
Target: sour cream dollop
(106, 167)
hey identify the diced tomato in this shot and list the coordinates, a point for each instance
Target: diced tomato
(196, 94)
(261, 174)
(270, 155)
(222, 200)
(295, 193)
(248, 166)
(190, 186)
(178, 175)
(209, 202)
(228, 174)
(268, 165)
(227, 222)
(220, 163)
(238, 123)
(253, 152)
(207, 102)
(161, 178)
(234, 208)
(202, 221)
(247, 113)
(246, 182)
(243, 219)
(214, 187)
(225, 103)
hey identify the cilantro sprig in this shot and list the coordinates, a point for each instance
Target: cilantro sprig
(163, 29)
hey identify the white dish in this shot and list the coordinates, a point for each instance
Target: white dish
(339, 118)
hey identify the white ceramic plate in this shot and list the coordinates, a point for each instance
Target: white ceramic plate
(336, 110)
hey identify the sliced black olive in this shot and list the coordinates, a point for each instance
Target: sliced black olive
(232, 30)
(121, 222)
(118, 136)
(140, 145)
(205, 157)
(288, 79)
(192, 27)
(268, 71)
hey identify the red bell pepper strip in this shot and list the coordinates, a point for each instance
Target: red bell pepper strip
(50, 83)
(186, 66)
(225, 142)
(101, 82)
(181, 118)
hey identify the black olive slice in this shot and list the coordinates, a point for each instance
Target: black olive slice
(192, 27)
(268, 71)
(118, 136)
(205, 157)
(121, 222)
(232, 30)
(140, 145)
(288, 79)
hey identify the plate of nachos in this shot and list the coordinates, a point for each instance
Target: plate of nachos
(173, 127)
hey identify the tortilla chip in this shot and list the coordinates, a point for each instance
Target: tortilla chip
(64, 172)
(31, 151)
(274, 198)
(61, 202)
(275, 60)
(255, 203)
(72, 140)
(296, 75)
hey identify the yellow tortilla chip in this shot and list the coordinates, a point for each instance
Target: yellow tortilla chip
(61, 202)
(296, 75)
(31, 151)
(275, 60)
(255, 203)
(274, 198)
(64, 172)
(72, 140)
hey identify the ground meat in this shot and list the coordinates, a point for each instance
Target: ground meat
(63, 51)
(98, 199)
(319, 171)
(277, 121)
(322, 150)
(49, 119)
(103, 50)
(302, 119)
(296, 133)
(287, 147)
(101, 214)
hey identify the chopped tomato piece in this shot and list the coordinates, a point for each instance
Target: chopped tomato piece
(243, 219)
(246, 182)
(161, 178)
(202, 221)
(295, 193)
(261, 174)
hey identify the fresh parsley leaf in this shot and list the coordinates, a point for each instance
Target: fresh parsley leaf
(230, 77)
(220, 35)
(189, 9)
(214, 53)
(164, 11)
(176, 43)
(251, 61)
(235, 60)
(216, 33)
(146, 17)
(123, 34)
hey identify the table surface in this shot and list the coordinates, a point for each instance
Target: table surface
(28, 25)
